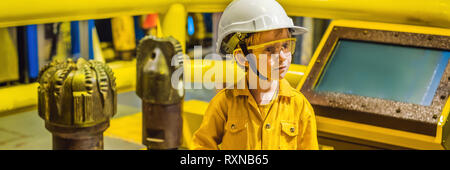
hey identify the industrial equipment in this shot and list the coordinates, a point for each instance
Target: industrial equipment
(157, 60)
(380, 86)
(124, 37)
(10, 69)
(77, 100)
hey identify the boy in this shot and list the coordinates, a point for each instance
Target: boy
(268, 113)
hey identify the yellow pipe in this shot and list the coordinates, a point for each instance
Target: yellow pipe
(417, 12)
(174, 24)
(25, 12)
(123, 33)
(159, 33)
(19, 96)
(125, 73)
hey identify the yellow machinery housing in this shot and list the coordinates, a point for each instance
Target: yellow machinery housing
(354, 132)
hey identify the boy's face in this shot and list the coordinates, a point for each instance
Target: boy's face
(274, 57)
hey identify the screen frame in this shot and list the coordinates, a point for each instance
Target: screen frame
(376, 111)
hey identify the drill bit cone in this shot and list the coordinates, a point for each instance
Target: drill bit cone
(77, 100)
(161, 102)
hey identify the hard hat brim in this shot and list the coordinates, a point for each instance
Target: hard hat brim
(296, 30)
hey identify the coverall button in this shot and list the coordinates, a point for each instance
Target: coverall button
(267, 126)
(233, 126)
(292, 129)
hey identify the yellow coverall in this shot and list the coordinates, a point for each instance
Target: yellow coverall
(233, 120)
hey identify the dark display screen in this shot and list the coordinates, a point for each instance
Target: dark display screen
(391, 72)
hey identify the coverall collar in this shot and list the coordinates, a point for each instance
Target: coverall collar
(284, 90)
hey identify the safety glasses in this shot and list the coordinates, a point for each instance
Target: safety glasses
(273, 47)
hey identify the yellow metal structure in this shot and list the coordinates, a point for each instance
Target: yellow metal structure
(295, 74)
(123, 33)
(175, 24)
(374, 133)
(417, 12)
(9, 59)
(199, 26)
(18, 97)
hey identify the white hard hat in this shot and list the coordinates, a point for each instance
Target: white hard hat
(248, 16)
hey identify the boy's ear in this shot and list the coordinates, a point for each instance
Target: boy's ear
(240, 57)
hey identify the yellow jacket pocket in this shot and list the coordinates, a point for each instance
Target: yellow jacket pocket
(235, 136)
(288, 137)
